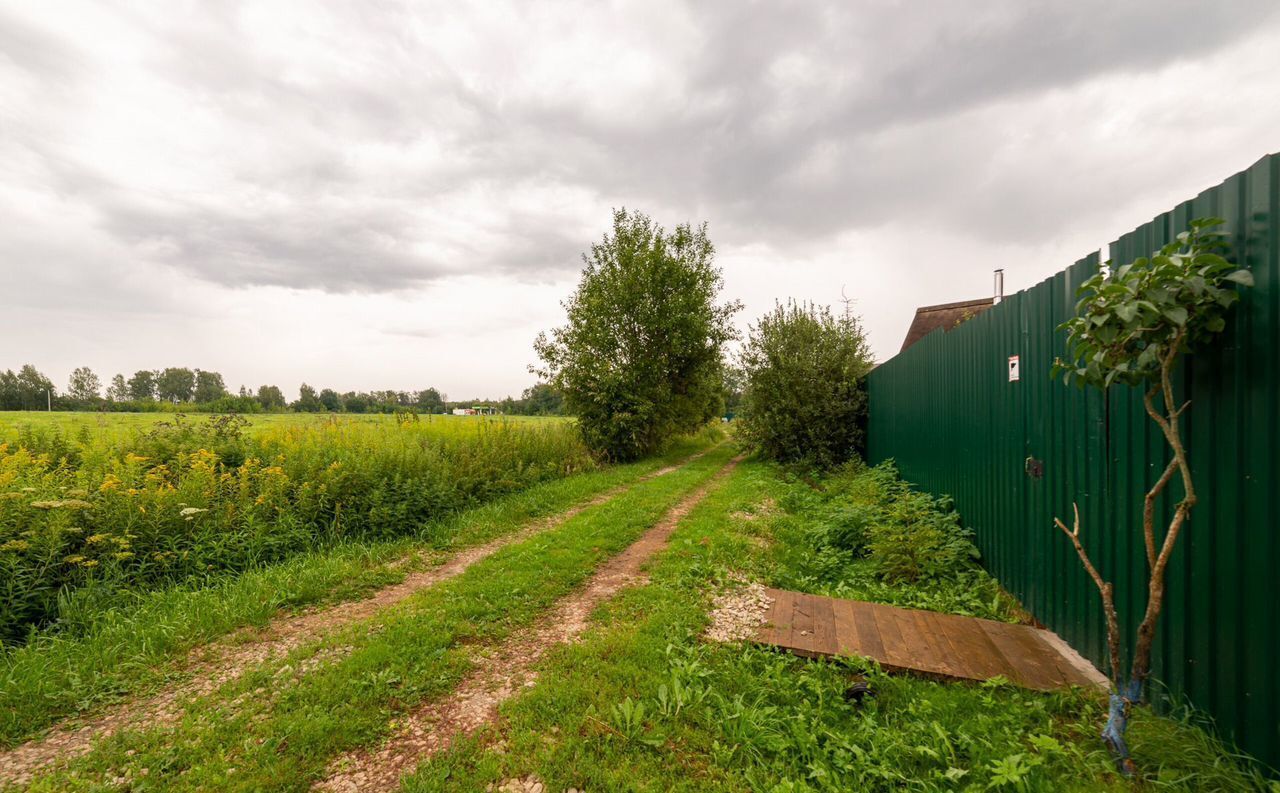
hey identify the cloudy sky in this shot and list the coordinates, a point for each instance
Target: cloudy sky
(394, 195)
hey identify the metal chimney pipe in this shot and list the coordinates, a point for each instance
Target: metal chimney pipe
(999, 295)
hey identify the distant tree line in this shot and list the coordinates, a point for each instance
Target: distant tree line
(175, 388)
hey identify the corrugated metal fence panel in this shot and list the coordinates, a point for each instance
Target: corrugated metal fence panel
(947, 413)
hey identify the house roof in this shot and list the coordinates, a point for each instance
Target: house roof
(945, 316)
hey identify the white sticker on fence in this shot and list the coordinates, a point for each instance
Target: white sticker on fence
(1013, 368)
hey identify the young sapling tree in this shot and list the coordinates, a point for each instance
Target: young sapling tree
(1132, 325)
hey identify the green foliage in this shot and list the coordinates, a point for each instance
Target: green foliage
(541, 399)
(176, 384)
(85, 387)
(1132, 318)
(26, 390)
(142, 386)
(863, 533)
(209, 386)
(308, 400)
(639, 360)
(117, 391)
(804, 400)
(271, 397)
(183, 500)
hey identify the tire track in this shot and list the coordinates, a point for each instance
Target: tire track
(510, 667)
(69, 740)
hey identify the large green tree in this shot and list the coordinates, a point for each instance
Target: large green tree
(9, 399)
(541, 399)
(142, 386)
(639, 359)
(34, 390)
(429, 401)
(209, 386)
(176, 384)
(308, 400)
(330, 400)
(271, 397)
(118, 391)
(85, 387)
(803, 397)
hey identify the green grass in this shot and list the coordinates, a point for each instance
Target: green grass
(282, 734)
(644, 704)
(112, 508)
(70, 421)
(118, 647)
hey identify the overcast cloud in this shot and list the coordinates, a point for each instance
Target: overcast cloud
(395, 195)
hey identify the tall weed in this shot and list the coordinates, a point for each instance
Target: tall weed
(121, 509)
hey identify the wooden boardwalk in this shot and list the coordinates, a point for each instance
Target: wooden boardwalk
(924, 642)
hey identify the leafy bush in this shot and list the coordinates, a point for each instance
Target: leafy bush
(119, 510)
(916, 539)
(863, 533)
(804, 400)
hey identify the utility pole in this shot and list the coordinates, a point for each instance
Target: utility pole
(48, 395)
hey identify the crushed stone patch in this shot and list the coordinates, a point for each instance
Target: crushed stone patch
(739, 611)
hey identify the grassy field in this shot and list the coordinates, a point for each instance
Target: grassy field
(13, 421)
(95, 507)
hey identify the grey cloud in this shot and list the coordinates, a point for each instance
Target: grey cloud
(880, 122)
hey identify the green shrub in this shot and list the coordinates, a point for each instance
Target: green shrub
(862, 533)
(804, 400)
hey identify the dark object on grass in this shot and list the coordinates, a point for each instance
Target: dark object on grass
(859, 691)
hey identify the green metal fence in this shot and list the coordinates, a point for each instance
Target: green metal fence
(947, 412)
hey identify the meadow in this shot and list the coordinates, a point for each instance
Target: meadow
(95, 507)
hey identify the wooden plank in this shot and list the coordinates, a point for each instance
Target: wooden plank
(922, 656)
(896, 654)
(1053, 669)
(777, 626)
(802, 624)
(1027, 665)
(972, 656)
(934, 631)
(824, 626)
(869, 632)
(846, 628)
(980, 658)
(942, 645)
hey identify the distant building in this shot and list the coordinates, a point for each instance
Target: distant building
(945, 316)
